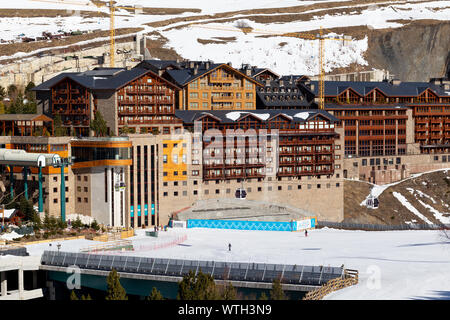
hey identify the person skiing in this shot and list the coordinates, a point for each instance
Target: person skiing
(229, 247)
(306, 233)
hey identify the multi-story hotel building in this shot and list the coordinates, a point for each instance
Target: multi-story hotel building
(207, 85)
(136, 100)
(387, 118)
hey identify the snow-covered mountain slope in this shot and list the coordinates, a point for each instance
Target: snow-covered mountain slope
(421, 199)
(285, 55)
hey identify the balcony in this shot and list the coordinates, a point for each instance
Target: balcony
(222, 98)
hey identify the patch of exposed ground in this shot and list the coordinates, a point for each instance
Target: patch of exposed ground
(158, 50)
(391, 211)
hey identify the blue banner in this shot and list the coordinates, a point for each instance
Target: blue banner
(139, 210)
(153, 209)
(242, 225)
(146, 209)
(132, 211)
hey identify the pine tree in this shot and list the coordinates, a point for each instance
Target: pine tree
(200, 287)
(98, 125)
(277, 292)
(73, 296)
(60, 131)
(263, 296)
(155, 295)
(94, 225)
(77, 224)
(115, 290)
(86, 298)
(46, 221)
(229, 292)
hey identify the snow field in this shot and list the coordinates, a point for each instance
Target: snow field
(391, 264)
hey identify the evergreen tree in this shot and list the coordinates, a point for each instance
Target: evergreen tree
(263, 296)
(115, 290)
(61, 224)
(277, 292)
(37, 224)
(229, 292)
(26, 207)
(88, 297)
(77, 224)
(46, 221)
(125, 130)
(98, 125)
(73, 296)
(155, 295)
(94, 225)
(200, 287)
(60, 131)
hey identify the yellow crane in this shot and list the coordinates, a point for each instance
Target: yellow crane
(320, 36)
(99, 4)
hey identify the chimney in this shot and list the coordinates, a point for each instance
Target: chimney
(248, 72)
(207, 65)
(160, 72)
(396, 82)
(195, 70)
(191, 64)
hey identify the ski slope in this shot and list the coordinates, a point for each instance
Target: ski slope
(283, 55)
(391, 264)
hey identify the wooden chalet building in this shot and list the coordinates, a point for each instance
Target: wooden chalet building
(390, 118)
(259, 74)
(136, 100)
(207, 85)
(299, 143)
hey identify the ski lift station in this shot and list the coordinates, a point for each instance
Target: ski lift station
(20, 158)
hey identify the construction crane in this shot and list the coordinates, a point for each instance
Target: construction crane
(320, 36)
(99, 4)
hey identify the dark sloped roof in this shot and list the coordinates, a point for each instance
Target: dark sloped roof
(100, 79)
(333, 88)
(334, 106)
(231, 116)
(284, 93)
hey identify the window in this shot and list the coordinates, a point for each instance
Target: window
(175, 193)
(165, 184)
(195, 192)
(55, 200)
(269, 188)
(79, 189)
(85, 200)
(79, 178)
(337, 185)
(217, 191)
(280, 188)
(85, 189)
(184, 193)
(78, 199)
(165, 194)
(206, 191)
(299, 187)
(259, 189)
(318, 186)
(55, 179)
(55, 189)
(165, 174)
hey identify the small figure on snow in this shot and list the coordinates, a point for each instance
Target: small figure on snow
(229, 247)
(306, 233)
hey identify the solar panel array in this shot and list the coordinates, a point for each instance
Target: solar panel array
(237, 271)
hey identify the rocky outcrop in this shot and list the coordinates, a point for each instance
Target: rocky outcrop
(415, 52)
